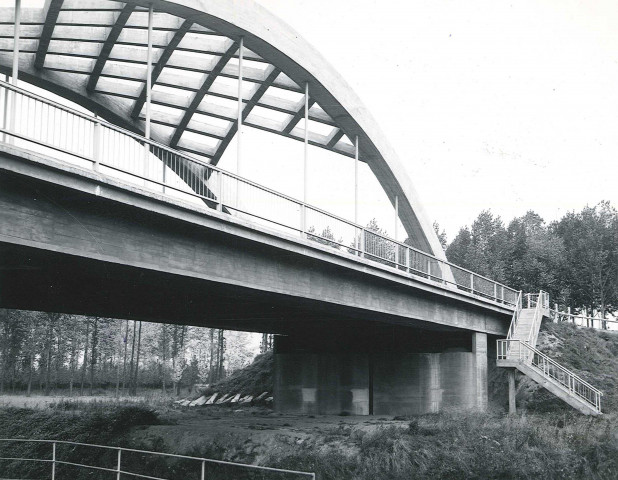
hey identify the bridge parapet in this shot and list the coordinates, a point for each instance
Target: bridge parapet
(37, 124)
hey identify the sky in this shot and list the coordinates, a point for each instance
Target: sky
(511, 106)
(508, 106)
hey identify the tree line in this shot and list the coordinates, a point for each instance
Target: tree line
(575, 258)
(72, 354)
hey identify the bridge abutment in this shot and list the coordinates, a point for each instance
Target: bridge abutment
(392, 371)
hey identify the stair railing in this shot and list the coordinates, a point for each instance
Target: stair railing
(541, 304)
(550, 369)
(515, 317)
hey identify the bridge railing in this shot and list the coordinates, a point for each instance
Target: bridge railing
(63, 459)
(516, 350)
(38, 124)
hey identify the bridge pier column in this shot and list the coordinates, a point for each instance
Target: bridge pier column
(479, 350)
(381, 371)
(512, 392)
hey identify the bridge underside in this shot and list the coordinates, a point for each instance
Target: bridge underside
(356, 337)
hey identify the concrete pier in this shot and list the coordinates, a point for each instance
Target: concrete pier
(395, 371)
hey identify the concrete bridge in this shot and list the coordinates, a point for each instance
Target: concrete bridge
(125, 214)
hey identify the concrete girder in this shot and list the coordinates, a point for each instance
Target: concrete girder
(199, 95)
(158, 68)
(52, 9)
(245, 113)
(108, 45)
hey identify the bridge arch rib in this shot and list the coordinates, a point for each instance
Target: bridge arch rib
(94, 53)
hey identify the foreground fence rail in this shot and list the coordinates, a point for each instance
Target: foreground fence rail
(63, 459)
(40, 125)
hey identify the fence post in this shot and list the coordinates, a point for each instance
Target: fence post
(203, 476)
(53, 476)
(118, 466)
(472, 283)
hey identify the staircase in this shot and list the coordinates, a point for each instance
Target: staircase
(518, 351)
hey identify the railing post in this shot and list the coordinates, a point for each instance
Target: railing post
(407, 259)
(362, 242)
(203, 475)
(472, 283)
(303, 220)
(96, 153)
(163, 171)
(146, 159)
(495, 291)
(118, 465)
(396, 255)
(53, 475)
(220, 203)
(429, 268)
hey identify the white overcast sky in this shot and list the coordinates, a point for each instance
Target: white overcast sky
(510, 106)
(490, 104)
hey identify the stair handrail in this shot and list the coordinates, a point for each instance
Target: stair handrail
(542, 304)
(574, 382)
(515, 317)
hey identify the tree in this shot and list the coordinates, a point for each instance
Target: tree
(480, 248)
(441, 235)
(327, 237)
(93, 350)
(13, 334)
(377, 247)
(590, 240)
(534, 255)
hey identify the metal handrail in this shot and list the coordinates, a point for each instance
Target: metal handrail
(515, 317)
(571, 317)
(95, 137)
(118, 468)
(526, 354)
(542, 303)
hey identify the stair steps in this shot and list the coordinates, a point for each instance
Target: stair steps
(518, 351)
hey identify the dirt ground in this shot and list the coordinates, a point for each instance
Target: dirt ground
(253, 431)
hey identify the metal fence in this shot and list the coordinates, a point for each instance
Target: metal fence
(62, 459)
(38, 124)
(558, 316)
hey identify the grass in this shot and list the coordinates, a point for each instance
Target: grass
(557, 444)
(466, 447)
(591, 354)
